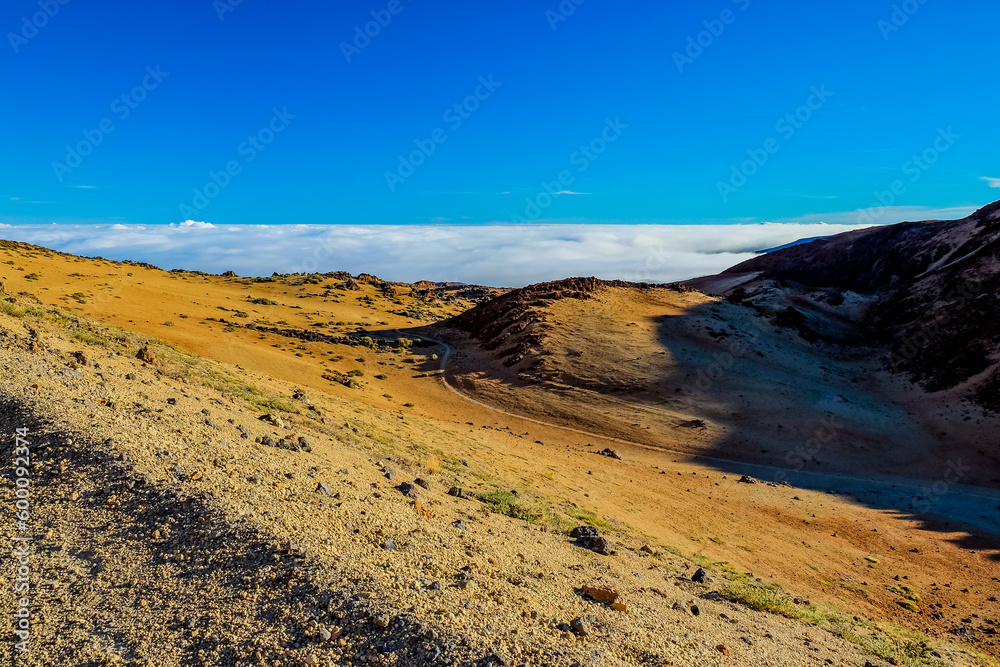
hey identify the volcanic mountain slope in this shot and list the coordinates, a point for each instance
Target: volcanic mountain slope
(933, 292)
(678, 370)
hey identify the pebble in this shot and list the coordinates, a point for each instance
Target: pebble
(580, 626)
(389, 545)
(389, 472)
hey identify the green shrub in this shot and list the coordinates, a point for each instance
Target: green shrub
(504, 502)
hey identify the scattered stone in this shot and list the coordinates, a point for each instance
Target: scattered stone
(290, 445)
(747, 479)
(596, 544)
(602, 594)
(274, 420)
(146, 356)
(304, 444)
(695, 610)
(382, 621)
(459, 524)
(389, 473)
(407, 490)
(580, 627)
(389, 545)
(584, 531)
(619, 606)
(721, 648)
(324, 488)
(422, 483)
(457, 492)
(171, 401)
(610, 453)
(700, 576)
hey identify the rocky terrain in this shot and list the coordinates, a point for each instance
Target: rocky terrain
(931, 291)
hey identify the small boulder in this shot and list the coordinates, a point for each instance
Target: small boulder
(273, 420)
(584, 531)
(602, 594)
(595, 543)
(700, 576)
(146, 356)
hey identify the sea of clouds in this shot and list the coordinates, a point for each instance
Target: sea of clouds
(500, 255)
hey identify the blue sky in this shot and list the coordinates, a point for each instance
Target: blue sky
(557, 80)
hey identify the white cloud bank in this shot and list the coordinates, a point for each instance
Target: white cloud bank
(992, 182)
(502, 255)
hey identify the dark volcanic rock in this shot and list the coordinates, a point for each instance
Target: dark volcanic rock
(595, 543)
